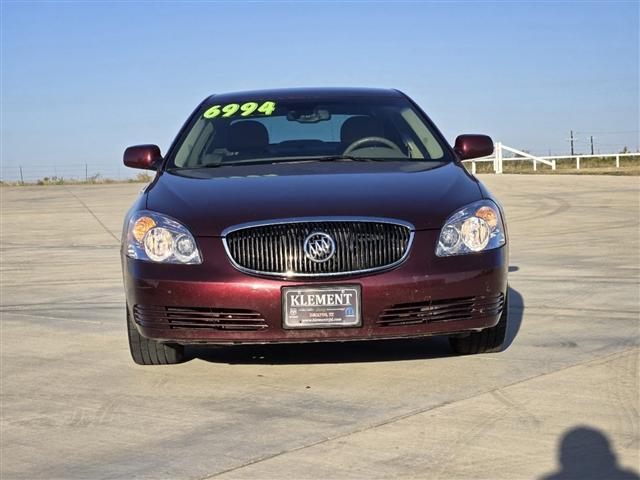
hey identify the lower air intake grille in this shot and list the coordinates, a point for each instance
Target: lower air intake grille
(455, 309)
(198, 317)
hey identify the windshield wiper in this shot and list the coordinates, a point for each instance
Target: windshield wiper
(258, 161)
(195, 167)
(339, 158)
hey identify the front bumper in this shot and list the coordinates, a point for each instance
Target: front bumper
(422, 282)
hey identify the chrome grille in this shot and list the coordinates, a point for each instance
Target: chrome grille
(465, 308)
(278, 248)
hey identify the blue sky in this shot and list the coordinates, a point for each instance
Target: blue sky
(81, 81)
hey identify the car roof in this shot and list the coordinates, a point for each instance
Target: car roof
(293, 93)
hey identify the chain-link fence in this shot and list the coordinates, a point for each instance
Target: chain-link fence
(72, 172)
(95, 173)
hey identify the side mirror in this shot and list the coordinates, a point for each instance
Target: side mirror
(473, 146)
(142, 156)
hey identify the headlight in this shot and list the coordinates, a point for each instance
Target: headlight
(474, 228)
(157, 238)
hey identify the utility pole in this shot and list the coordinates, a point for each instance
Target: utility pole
(591, 144)
(571, 142)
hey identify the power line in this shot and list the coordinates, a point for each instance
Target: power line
(609, 133)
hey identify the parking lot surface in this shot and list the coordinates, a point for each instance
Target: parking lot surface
(562, 399)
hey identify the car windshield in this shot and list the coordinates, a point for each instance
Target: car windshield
(286, 130)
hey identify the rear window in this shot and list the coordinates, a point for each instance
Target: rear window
(280, 129)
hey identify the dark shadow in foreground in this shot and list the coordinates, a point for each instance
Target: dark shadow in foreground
(585, 453)
(347, 352)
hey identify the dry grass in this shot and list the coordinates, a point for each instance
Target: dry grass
(142, 177)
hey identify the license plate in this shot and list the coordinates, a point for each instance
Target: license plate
(321, 307)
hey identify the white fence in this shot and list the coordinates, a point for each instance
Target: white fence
(498, 158)
(116, 171)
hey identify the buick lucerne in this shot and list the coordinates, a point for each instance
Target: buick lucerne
(307, 215)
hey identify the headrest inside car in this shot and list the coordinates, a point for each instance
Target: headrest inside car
(359, 127)
(247, 134)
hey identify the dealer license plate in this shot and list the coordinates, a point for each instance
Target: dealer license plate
(321, 307)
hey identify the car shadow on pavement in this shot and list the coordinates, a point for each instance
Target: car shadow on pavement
(325, 352)
(586, 453)
(346, 352)
(516, 311)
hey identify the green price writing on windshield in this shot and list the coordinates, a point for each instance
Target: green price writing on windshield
(246, 109)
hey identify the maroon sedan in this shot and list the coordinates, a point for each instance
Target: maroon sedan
(307, 215)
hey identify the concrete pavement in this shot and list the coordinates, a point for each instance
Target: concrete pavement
(75, 406)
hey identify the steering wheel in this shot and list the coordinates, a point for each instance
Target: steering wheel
(366, 140)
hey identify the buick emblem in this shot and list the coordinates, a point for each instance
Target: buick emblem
(319, 247)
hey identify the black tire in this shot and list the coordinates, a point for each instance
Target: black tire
(485, 341)
(145, 351)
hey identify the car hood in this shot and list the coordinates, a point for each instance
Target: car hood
(207, 201)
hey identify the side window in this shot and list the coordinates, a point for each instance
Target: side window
(426, 137)
(193, 144)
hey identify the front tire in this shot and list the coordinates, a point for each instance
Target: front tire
(145, 351)
(485, 341)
